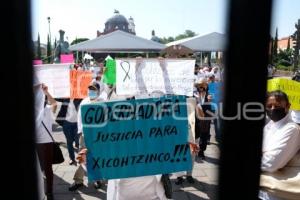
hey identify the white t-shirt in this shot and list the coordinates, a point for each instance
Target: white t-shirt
(79, 121)
(83, 102)
(138, 188)
(71, 115)
(41, 134)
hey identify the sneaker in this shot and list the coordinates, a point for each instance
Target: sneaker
(190, 179)
(72, 162)
(97, 184)
(201, 155)
(75, 186)
(179, 181)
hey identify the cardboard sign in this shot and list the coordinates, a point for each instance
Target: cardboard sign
(66, 58)
(56, 77)
(136, 137)
(109, 76)
(79, 82)
(172, 76)
(37, 62)
(290, 87)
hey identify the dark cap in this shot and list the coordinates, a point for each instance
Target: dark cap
(94, 86)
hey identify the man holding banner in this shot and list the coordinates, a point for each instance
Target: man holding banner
(132, 142)
(93, 97)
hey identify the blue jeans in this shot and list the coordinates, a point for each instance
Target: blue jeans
(70, 131)
(217, 124)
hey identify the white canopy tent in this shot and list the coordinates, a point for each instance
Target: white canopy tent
(212, 42)
(118, 41)
(204, 43)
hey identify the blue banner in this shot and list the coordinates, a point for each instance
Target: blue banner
(136, 137)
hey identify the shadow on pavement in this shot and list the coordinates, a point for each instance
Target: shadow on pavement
(56, 128)
(61, 191)
(209, 191)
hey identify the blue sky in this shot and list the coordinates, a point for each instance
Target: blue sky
(82, 18)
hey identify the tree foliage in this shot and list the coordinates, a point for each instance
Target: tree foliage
(275, 47)
(39, 51)
(186, 34)
(296, 45)
(49, 49)
(78, 40)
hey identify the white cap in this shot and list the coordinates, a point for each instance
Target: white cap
(295, 114)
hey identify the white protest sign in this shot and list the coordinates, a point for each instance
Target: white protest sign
(56, 77)
(172, 76)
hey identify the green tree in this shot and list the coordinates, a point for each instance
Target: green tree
(49, 51)
(55, 43)
(39, 51)
(296, 45)
(275, 47)
(272, 51)
(289, 44)
(189, 33)
(180, 36)
(186, 34)
(78, 40)
(285, 57)
(171, 39)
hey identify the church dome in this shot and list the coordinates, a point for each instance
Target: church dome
(117, 18)
(116, 22)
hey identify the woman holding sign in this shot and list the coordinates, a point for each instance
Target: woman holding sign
(43, 137)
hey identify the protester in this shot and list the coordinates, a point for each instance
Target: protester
(191, 106)
(145, 187)
(93, 96)
(216, 73)
(136, 188)
(281, 139)
(202, 127)
(44, 142)
(214, 108)
(296, 76)
(67, 118)
(271, 71)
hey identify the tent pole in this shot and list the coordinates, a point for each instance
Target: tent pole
(201, 58)
(76, 56)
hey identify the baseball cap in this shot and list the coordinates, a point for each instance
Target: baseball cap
(94, 86)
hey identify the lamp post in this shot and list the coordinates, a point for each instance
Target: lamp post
(48, 18)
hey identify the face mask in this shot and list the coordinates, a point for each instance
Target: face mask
(201, 88)
(276, 114)
(93, 94)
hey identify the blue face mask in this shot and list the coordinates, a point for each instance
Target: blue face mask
(93, 94)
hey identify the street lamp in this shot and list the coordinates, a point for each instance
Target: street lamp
(48, 18)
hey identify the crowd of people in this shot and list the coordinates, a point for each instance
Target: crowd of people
(281, 135)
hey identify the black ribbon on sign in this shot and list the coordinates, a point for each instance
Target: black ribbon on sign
(128, 69)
